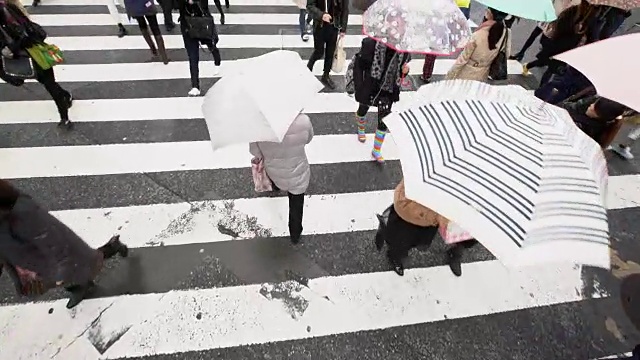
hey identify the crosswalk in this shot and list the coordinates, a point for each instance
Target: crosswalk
(212, 274)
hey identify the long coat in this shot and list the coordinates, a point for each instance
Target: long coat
(34, 241)
(475, 59)
(286, 162)
(339, 13)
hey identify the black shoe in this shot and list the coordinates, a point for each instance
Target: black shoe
(122, 32)
(222, 19)
(396, 264)
(326, 80)
(114, 247)
(454, 257)
(35, 3)
(65, 124)
(170, 26)
(295, 239)
(517, 57)
(78, 293)
(425, 80)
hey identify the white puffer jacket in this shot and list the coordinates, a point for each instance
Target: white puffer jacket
(286, 162)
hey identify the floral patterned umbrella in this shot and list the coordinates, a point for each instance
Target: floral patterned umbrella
(620, 4)
(417, 26)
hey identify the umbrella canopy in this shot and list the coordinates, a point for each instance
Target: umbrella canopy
(539, 10)
(610, 66)
(260, 100)
(620, 4)
(475, 90)
(524, 181)
(417, 26)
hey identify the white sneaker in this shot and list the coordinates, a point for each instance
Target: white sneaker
(305, 37)
(194, 92)
(216, 70)
(622, 150)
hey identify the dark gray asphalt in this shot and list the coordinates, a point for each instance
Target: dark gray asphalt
(573, 331)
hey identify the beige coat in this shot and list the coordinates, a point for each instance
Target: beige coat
(414, 213)
(475, 59)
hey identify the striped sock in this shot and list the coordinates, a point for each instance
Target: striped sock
(377, 145)
(361, 123)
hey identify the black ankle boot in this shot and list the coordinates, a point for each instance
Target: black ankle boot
(454, 258)
(326, 80)
(222, 19)
(78, 293)
(121, 31)
(397, 264)
(114, 247)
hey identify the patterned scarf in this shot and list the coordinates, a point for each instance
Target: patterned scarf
(392, 72)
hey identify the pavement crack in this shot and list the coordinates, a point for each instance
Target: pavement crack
(93, 323)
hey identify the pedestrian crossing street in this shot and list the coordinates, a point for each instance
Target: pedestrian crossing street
(212, 274)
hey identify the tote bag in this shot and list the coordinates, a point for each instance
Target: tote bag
(452, 233)
(339, 57)
(261, 180)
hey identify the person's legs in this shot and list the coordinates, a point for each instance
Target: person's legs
(167, 9)
(361, 121)
(60, 96)
(302, 22)
(381, 131)
(296, 207)
(155, 29)
(113, 11)
(331, 40)
(537, 31)
(219, 7)
(192, 47)
(318, 47)
(427, 68)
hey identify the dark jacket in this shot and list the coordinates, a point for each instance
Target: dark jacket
(338, 9)
(198, 8)
(367, 89)
(33, 240)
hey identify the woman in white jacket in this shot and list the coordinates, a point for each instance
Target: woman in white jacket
(287, 166)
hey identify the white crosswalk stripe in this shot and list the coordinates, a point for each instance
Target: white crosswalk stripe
(205, 246)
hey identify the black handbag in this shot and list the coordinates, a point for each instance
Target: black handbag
(201, 27)
(498, 68)
(20, 67)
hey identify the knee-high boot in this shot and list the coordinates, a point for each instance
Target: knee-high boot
(152, 46)
(377, 145)
(161, 49)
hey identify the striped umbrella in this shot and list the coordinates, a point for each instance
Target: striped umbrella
(523, 180)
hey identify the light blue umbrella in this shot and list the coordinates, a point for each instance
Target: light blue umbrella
(539, 10)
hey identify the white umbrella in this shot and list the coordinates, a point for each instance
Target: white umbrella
(523, 180)
(260, 100)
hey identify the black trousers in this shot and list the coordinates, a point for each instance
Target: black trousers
(296, 207)
(383, 111)
(167, 8)
(149, 21)
(193, 53)
(60, 96)
(325, 39)
(537, 31)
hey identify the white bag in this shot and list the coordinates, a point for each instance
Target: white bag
(453, 233)
(339, 57)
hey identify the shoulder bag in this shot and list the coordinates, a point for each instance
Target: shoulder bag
(18, 66)
(498, 67)
(201, 27)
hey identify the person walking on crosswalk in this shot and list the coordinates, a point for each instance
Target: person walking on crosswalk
(144, 11)
(376, 76)
(330, 19)
(40, 252)
(304, 19)
(115, 14)
(287, 165)
(14, 42)
(193, 9)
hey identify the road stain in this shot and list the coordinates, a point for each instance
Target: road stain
(613, 328)
(620, 268)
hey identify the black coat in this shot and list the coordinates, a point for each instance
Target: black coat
(367, 89)
(339, 12)
(34, 240)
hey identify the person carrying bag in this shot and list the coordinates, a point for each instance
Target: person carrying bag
(198, 28)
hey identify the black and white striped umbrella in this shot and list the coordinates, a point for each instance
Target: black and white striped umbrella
(523, 180)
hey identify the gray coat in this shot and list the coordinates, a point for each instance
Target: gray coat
(286, 162)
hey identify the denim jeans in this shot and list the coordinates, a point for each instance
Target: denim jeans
(304, 21)
(193, 52)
